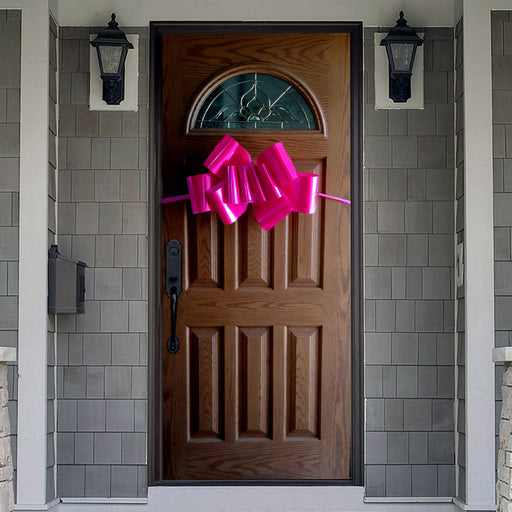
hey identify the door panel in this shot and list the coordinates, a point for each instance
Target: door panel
(204, 241)
(305, 265)
(206, 363)
(303, 382)
(254, 253)
(261, 386)
(255, 383)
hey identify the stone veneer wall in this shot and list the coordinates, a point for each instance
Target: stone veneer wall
(503, 485)
(6, 469)
(409, 292)
(10, 51)
(102, 220)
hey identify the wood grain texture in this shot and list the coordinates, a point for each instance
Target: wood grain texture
(303, 382)
(205, 242)
(267, 392)
(255, 461)
(255, 370)
(254, 253)
(206, 383)
(305, 266)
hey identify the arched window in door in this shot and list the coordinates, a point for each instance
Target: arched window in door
(255, 101)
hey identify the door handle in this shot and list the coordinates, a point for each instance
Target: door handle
(173, 288)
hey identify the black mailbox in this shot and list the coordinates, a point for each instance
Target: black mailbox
(66, 283)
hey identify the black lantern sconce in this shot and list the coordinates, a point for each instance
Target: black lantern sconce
(112, 47)
(401, 43)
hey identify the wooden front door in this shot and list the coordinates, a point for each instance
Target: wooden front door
(261, 385)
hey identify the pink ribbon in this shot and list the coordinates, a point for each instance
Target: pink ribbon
(272, 184)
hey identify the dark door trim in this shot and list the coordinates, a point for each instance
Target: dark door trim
(157, 30)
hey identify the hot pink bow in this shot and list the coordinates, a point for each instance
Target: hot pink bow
(272, 184)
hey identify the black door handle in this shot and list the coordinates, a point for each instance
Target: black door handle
(173, 288)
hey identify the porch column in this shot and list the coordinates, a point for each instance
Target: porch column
(33, 257)
(479, 259)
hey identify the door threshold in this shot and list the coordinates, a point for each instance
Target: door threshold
(254, 483)
(276, 498)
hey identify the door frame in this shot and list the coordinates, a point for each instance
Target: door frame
(154, 427)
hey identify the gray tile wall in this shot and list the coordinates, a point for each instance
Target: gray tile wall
(409, 306)
(52, 239)
(459, 228)
(409, 303)
(102, 354)
(10, 49)
(501, 26)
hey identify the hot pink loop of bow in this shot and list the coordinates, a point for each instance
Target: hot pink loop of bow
(272, 184)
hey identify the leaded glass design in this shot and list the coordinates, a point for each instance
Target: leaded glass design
(255, 101)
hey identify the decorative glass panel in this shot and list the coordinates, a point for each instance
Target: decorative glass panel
(255, 101)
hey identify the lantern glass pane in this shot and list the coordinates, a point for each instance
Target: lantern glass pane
(402, 55)
(111, 58)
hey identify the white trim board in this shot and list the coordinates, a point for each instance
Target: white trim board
(477, 508)
(479, 256)
(52, 505)
(33, 254)
(435, 13)
(8, 354)
(502, 354)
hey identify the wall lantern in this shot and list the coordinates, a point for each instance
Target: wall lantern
(112, 46)
(401, 43)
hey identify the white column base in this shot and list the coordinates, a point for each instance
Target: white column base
(33, 508)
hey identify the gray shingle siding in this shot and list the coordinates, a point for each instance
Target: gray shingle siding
(102, 354)
(409, 303)
(501, 44)
(10, 53)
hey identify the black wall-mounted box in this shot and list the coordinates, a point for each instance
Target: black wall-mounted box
(66, 283)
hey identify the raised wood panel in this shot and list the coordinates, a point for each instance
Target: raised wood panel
(303, 382)
(306, 239)
(207, 307)
(255, 461)
(254, 253)
(255, 387)
(206, 383)
(305, 263)
(204, 254)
